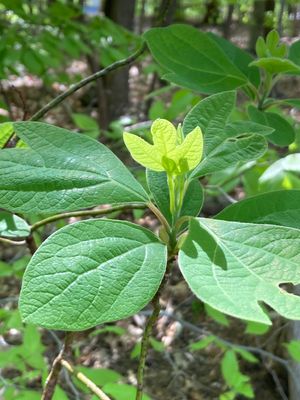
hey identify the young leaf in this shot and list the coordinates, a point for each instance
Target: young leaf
(276, 65)
(234, 266)
(261, 48)
(222, 147)
(169, 152)
(193, 60)
(143, 152)
(92, 272)
(279, 208)
(158, 186)
(283, 134)
(12, 225)
(62, 171)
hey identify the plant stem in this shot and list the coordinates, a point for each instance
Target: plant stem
(12, 242)
(147, 333)
(84, 213)
(73, 88)
(84, 379)
(52, 378)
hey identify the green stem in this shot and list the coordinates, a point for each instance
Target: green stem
(171, 185)
(147, 333)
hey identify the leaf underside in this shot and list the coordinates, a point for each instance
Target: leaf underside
(234, 267)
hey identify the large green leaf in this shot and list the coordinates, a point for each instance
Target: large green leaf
(193, 60)
(284, 133)
(235, 266)
(240, 58)
(12, 225)
(158, 186)
(279, 208)
(62, 171)
(224, 144)
(92, 272)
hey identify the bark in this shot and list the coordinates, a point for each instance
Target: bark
(256, 27)
(228, 21)
(116, 84)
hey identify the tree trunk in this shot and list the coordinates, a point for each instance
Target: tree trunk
(228, 21)
(116, 84)
(256, 27)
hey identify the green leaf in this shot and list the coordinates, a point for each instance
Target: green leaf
(256, 328)
(235, 266)
(62, 171)
(158, 186)
(261, 48)
(248, 127)
(292, 102)
(122, 392)
(100, 376)
(92, 272)
(169, 152)
(294, 53)
(143, 152)
(6, 130)
(193, 60)
(136, 351)
(284, 133)
(13, 226)
(277, 171)
(117, 330)
(279, 208)
(85, 122)
(230, 368)
(216, 315)
(275, 65)
(223, 146)
(202, 344)
(233, 377)
(246, 355)
(157, 345)
(240, 58)
(293, 347)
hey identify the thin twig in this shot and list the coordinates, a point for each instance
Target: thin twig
(51, 381)
(73, 88)
(84, 379)
(85, 213)
(12, 242)
(67, 378)
(147, 333)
